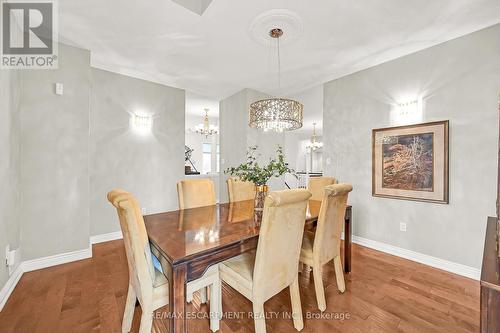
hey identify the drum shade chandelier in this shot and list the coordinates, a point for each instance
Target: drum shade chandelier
(276, 114)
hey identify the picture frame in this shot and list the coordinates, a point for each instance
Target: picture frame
(411, 162)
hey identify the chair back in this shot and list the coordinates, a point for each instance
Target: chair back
(330, 222)
(316, 186)
(194, 193)
(240, 190)
(280, 241)
(139, 258)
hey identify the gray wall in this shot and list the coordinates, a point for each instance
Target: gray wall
(148, 166)
(9, 165)
(54, 157)
(460, 81)
(236, 136)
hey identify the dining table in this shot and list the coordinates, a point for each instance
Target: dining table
(188, 241)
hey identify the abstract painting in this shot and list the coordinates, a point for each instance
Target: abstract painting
(411, 162)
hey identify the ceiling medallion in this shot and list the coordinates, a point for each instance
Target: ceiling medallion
(276, 114)
(286, 19)
(206, 129)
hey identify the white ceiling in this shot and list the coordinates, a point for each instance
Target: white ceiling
(196, 105)
(216, 55)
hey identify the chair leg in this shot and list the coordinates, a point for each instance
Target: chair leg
(339, 274)
(128, 315)
(146, 321)
(215, 305)
(318, 286)
(298, 321)
(259, 318)
(203, 295)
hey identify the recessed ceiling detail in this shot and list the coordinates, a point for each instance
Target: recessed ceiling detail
(284, 19)
(196, 6)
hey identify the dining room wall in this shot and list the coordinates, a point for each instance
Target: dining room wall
(9, 166)
(459, 81)
(54, 138)
(236, 136)
(148, 165)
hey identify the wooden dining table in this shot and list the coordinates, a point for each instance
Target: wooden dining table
(187, 242)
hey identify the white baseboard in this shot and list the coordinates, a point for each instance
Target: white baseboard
(45, 262)
(9, 286)
(445, 265)
(106, 237)
(58, 259)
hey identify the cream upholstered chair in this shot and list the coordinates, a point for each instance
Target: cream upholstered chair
(323, 246)
(261, 274)
(240, 190)
(146, 283)
(194, 193)
(316, 186)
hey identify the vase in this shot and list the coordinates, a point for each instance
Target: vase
(260, 197)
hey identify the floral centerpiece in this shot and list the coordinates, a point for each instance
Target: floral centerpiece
(251, 171)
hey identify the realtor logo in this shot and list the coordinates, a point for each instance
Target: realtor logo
(29, 36)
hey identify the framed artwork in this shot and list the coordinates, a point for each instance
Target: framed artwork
(411, 162)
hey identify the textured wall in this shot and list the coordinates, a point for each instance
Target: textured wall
(54, 157)
(147, 165)
(9, 165)
(459, 80)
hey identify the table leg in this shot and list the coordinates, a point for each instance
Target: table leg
(177, 297)
(347, 241)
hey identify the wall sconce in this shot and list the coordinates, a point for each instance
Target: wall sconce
(407, 112)
(142, 123)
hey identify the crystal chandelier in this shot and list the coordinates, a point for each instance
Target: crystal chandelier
(206, 129)
(315, 144)
(276, 114)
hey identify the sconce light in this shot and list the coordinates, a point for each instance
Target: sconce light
(407, 112)
(142, 123)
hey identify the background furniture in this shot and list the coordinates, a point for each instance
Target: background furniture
(194, 193)
(490, 281)
(239, 190)
(184, 257)
(317, 185)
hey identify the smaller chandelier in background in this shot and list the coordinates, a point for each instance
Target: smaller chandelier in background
(206, 129)
(314, 144)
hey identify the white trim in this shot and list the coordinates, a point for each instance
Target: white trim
(58, 259)
(9, 286)
(446, 265)
(106, 237)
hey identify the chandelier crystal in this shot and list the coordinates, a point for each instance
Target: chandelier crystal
(315, 144)
(206, 129)
(276, 114)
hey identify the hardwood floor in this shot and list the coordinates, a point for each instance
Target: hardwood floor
(384, 294)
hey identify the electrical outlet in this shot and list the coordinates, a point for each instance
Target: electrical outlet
(7, 255)
(144, 211)
(402, 226)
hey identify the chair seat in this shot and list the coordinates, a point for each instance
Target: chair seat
(238, 272)
(306, 252)
(160, 290)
